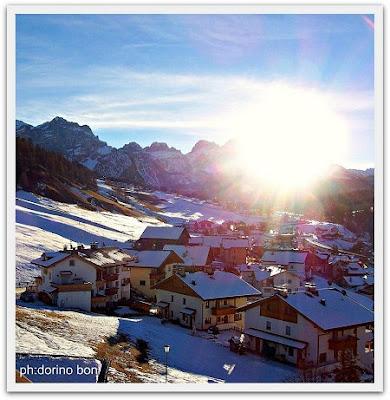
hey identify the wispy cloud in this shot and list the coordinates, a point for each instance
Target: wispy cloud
(126, 98)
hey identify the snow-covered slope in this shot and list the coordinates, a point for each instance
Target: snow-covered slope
(177, 208)
(43, 224)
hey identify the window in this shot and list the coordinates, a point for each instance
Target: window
(289, 281)
(207, 321)
(142, 283)
(225, 302)
(207, 304)
(288, 330)
(268, 325)
(218, 319)
(171, 297)
(238, 317)
(291, 351)
(184, 300)
(322, 358)
(71, 263)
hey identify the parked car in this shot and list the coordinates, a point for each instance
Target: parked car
(213, 330)
(27, 297)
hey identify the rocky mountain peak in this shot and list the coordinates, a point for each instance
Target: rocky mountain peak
(204, 145)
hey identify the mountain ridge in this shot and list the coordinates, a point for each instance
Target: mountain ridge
(157, 166)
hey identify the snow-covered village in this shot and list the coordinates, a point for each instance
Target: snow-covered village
(233, 297)
(193, 202)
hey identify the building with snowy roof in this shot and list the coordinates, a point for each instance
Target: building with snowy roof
(192, 256)
(202, 300)
(311, 328)
(156, 237)
(84, 278)
(148, 267)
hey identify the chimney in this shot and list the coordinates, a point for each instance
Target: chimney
(94, 245)
(80, 247)
(323, 302)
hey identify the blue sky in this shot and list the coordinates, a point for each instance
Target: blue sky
(181, 78)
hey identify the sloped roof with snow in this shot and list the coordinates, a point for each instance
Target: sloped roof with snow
(191, 255)
(162, 232)
(105, 256)
(100, 257)
(354, 281)
(148, 258)
(339, 310)
(219, 285)
(50, 258)
(218, 241)
(283, 257)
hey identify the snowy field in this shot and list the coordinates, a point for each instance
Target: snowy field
(192, 359)
(47, 225)
(180, 208)
(43, 224)
(200, 356)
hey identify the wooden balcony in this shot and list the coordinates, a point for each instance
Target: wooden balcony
(343, 343)
(73, 287)
(98, 300)
(111, 277)
(111, 291)
(227, 310)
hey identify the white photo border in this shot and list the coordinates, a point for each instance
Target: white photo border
(377, 11)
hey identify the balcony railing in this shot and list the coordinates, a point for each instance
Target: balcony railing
(126, 282)
(343, 342)
(111, 291)
(98, 299)
(227, 310)
(111, 277)
(73, 286)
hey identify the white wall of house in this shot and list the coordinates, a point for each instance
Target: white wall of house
(80, 270)
(176, 305)
(203, 316)
(304, 330)
(80, 300)
(288, 280)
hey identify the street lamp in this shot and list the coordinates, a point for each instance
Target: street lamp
(166, 351)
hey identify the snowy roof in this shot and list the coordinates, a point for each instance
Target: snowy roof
(148, 258)
(191, 255)
(275, 338)
(100, 257)
(219, 285)
(354, 281)
(339, 310)
(355, 269)
(218, 241)
(365, 301)
(50, 258)
(229, 243)
(162, 232)
(104, 256)
(283, 257)
(261, 274)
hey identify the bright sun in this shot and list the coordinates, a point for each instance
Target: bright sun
(290, 136)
